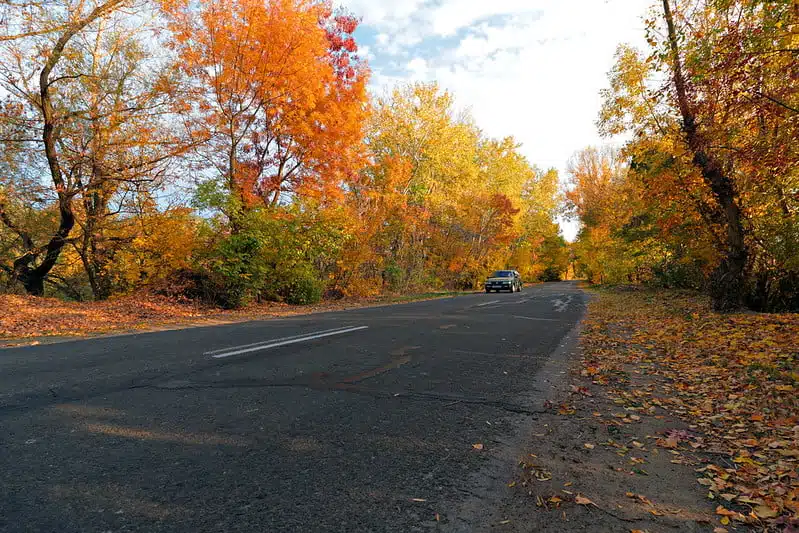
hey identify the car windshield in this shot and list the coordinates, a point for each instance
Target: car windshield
(502, 274)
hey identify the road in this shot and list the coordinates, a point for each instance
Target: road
(361, 420)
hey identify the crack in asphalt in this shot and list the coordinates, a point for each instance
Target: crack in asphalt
(347, 386)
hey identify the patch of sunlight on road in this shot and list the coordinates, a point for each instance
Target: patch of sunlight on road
(304, 445)
(164, 436)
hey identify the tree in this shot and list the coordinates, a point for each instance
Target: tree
(601, 196)
(443, 203)
(25, 268)
(83, 79)
(728, 285)
(282, 92)
(713, 113)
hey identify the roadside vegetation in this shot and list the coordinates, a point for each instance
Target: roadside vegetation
(25, 320)
(228, 153)
(705, 195)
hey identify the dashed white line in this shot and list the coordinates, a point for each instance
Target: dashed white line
(489, 303)
(274, 343)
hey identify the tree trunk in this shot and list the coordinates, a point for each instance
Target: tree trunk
(728, 282)
(32, 278)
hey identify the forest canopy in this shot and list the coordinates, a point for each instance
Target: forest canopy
(230, 151)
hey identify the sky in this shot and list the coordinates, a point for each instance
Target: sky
(531, 69)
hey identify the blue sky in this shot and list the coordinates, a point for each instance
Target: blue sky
(527, 68)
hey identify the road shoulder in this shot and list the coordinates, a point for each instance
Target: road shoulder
(490, 491)
(674, 418)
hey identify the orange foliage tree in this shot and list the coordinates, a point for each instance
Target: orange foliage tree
(280, 90)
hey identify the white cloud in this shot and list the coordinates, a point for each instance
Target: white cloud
(382, 12)
(453, 15)
(528, 68)
(417, 67)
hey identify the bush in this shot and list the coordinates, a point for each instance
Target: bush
(301, 289)
(773, 292)
(550, 273)
(393, 276)
(678, 275)
(238, 267)
(199, 285)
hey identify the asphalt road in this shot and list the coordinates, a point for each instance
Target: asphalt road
(361, 420)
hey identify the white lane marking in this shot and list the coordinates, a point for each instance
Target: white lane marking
(489, 303)
(260, 343)
(534, 318)
(238, 350)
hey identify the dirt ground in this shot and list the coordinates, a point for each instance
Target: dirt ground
(594, 464)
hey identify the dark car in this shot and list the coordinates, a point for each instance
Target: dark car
(504, 280)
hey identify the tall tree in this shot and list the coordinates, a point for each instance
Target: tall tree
(441, 200)
(101, 100)
(282, 91)
(37, 261)
(713, 110)
(728, 283)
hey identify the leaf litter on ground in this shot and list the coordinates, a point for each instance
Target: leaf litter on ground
(28, 317)
(733, 378)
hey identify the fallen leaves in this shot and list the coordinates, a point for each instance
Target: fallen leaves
(24, 317)
(732, 379)
(566, 409)
(535, 471)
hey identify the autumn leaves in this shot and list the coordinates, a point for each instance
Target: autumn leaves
(701, 195)
(280, 93)
(229, 151)
(731, 378)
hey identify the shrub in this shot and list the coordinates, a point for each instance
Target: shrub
(301, 289)
(773, 292)
(678, 275)
(550, 273)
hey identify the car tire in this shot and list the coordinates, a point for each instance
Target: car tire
(488, 291)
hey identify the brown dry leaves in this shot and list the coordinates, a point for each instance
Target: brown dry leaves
(26, 316)
(23, 317)
(734, 378)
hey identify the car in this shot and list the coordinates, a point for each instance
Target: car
(504, 280)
